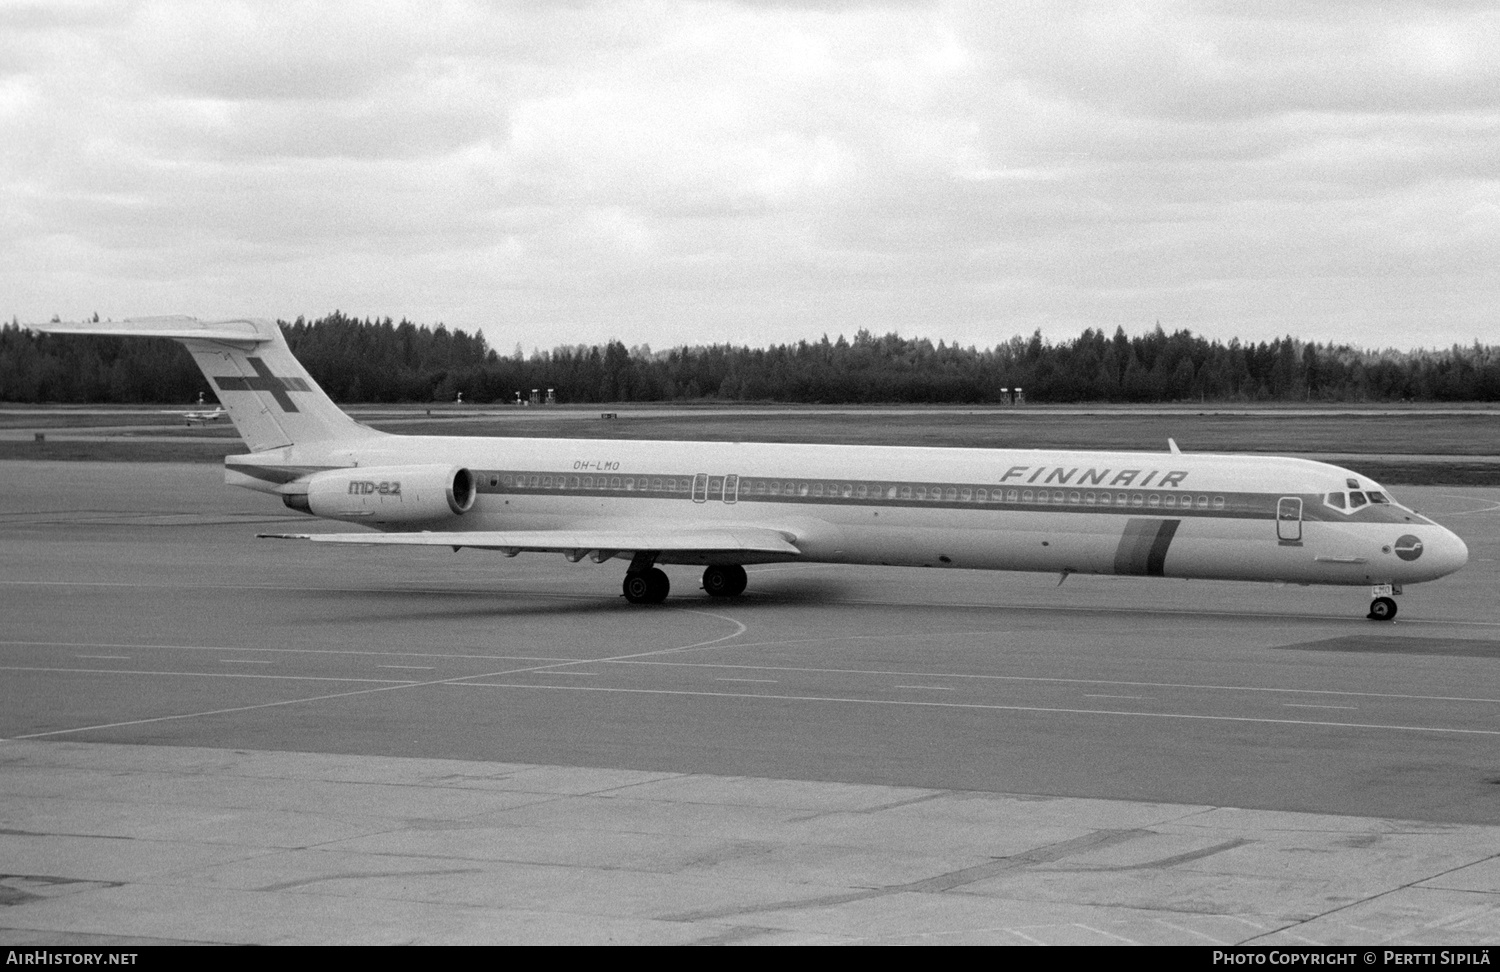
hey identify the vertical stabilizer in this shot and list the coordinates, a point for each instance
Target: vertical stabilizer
(271, 399)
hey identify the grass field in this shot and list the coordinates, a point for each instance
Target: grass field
(1467, 439)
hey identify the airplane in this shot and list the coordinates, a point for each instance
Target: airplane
(204, 416)
(723, 505)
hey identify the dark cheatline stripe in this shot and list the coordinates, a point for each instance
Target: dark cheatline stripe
(1156, 560)
(1143, 547)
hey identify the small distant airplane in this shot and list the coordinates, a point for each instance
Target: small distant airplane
(722, 505)
(204, 417)
(201, 415)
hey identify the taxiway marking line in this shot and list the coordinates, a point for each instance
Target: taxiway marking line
(1012, 608)
(293, 651)
(470, 683)
(1061, 681)
(546, 660)
(739, 629)
(129, 671)
(1304, 705)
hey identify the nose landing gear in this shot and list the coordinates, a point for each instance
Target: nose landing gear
(1382, 609)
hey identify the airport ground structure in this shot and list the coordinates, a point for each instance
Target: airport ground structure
(382, 361)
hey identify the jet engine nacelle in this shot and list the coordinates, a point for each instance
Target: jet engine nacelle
(388, 494)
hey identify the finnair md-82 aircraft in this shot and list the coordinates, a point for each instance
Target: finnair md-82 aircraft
(725, 505)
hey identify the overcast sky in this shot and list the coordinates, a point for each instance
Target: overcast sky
(759, 172)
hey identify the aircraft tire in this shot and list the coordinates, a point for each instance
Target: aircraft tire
(1382, 609)
(648, 586)
(726, 581)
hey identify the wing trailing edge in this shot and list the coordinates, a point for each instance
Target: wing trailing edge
(576, 543)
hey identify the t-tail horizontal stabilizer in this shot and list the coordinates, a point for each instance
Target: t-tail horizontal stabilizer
(271, 399)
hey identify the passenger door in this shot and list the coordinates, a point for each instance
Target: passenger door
(1289, 520)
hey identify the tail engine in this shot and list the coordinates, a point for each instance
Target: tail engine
(388, 494)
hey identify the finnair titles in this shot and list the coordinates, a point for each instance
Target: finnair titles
(722, 506)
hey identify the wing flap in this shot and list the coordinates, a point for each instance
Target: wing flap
(725, 540)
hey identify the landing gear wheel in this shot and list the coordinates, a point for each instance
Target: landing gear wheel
(649, 586)
(725, 581)
(1382, 609)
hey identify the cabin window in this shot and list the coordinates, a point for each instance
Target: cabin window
(1169, 500)
(1089, 499)
(1104, 499)
(890, 493)
(1356, 500)
(1026, 496)
(1218, 502)
(817, 489)
(775, 489)
(1136, 499)
(847, 490)
(1154, 499)
(833, 489)
(546, 482)
(968, 495)
(1203, 502)
(1010, 495)
(572, 482)
(507, 481)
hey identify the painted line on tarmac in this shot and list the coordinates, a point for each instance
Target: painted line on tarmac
(293, 651)
(1337, 693)
(392, 685)
(470, 683)
(137, 671)
(762, 599)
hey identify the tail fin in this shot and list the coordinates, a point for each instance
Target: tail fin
(271, 399)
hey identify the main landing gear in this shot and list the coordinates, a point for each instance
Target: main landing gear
(724, 581)
(1382, 609)
(649, 586)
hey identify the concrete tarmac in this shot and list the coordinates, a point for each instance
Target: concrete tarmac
(214, 738)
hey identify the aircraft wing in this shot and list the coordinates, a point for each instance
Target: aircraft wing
(576, 543)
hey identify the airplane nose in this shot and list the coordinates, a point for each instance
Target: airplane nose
(1428, 555)
(1459, 554)
(1450, 554)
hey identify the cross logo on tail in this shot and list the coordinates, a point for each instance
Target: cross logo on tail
(265, 381)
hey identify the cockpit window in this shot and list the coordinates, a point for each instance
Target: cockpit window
(1356, 500)
(1377, 497)
(1335, 500)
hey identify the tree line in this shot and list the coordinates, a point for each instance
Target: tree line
(381, 361)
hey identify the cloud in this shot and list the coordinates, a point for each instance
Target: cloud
(680, 172)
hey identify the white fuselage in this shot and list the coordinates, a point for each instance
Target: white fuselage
(1164, 514)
